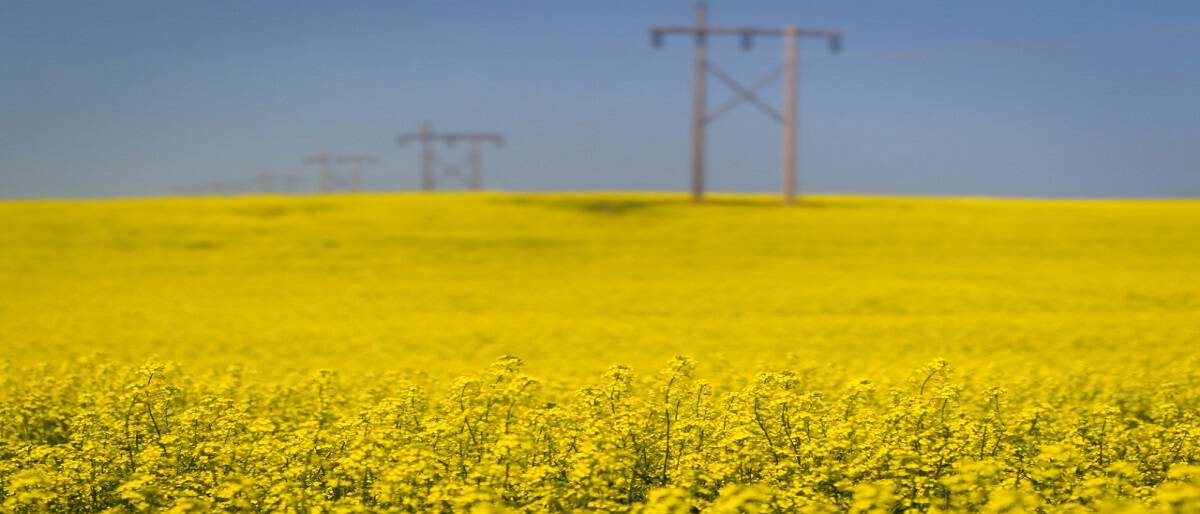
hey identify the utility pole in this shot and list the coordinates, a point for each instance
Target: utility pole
(787, 147)
(428, 139)
(330, 179)
(699, 99)
(702, 68)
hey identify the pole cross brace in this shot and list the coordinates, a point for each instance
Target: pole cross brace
(749, 94)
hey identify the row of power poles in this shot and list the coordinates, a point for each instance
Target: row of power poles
(434, 172)
(342, 172)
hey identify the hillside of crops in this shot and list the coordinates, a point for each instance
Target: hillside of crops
(599, 352)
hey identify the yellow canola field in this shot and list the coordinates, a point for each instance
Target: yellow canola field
(599, 352)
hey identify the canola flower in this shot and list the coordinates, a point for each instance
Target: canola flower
(98, 437)
(340, 354)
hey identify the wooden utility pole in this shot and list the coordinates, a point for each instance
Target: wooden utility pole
(787, 148)
(427, 138)
(699, 101)
(703, 68)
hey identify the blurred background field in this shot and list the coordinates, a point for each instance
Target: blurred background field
(573, 283)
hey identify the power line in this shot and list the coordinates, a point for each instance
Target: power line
(702, 68)
(428, 139)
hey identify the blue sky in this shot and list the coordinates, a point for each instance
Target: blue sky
(1021, 98)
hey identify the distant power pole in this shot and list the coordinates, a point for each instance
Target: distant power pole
(330, 180)
(702, 68)
(267, 182)
(428, 140)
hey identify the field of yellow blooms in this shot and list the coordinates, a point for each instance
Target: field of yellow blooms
(599, 353)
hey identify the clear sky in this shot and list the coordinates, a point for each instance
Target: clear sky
(1014, 98)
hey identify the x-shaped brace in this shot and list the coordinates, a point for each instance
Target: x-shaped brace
(447, 171)
(748, 94)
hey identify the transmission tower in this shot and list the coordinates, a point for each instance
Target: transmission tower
(331, 179)
(702, 68)
(428, 140)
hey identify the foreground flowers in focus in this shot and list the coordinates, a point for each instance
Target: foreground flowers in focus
(99, 436)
